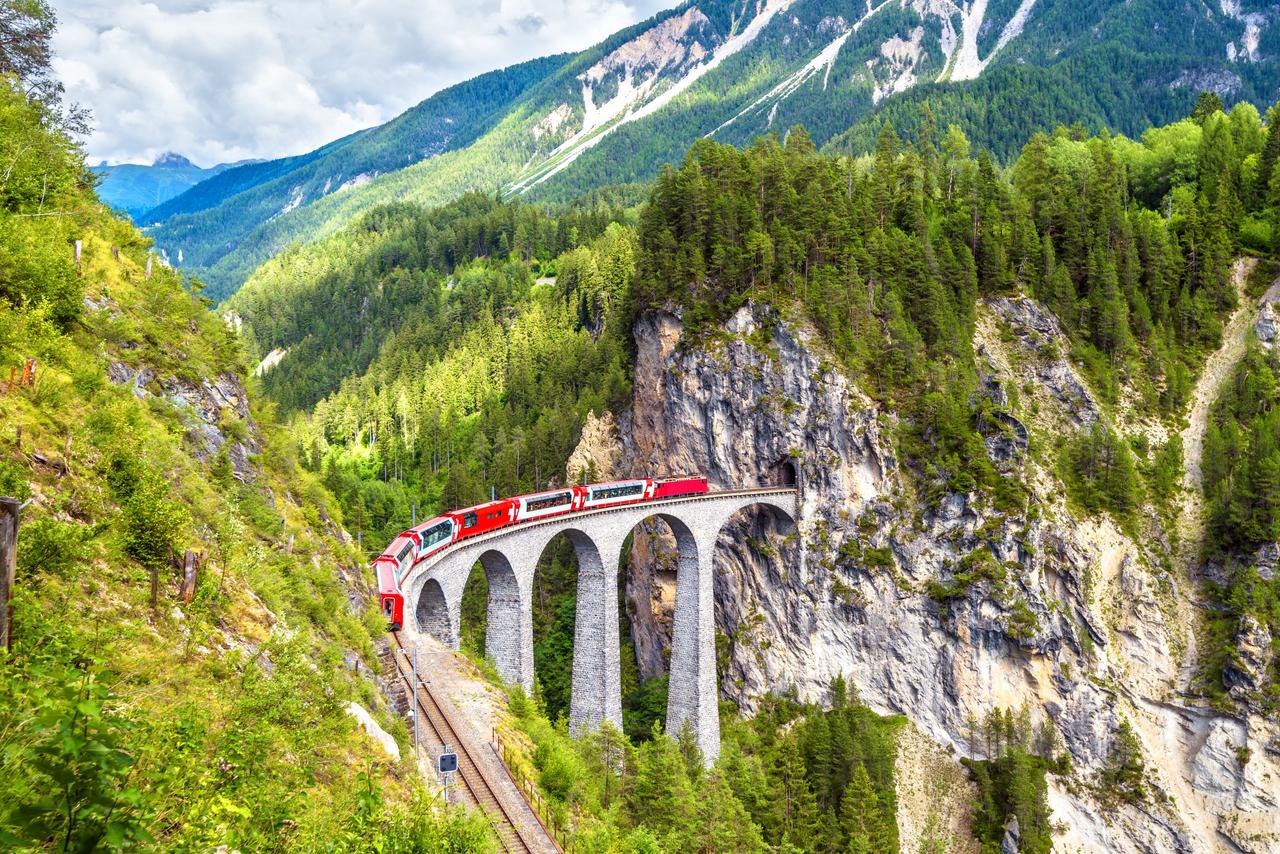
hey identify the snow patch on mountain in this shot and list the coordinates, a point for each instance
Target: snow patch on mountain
(823, 62)
(552, 121)
(901, 55)
(1246, 49)
(294, 202)
(654, 51)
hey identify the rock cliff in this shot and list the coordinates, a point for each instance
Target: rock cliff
(948, 612)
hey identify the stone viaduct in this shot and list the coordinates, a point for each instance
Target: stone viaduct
(433, 599)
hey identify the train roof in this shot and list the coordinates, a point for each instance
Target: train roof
(434, 520)
(500, 502)
(555, 491)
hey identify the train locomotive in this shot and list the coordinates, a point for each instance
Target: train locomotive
(424, 540)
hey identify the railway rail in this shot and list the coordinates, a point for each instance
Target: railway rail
(514, 835)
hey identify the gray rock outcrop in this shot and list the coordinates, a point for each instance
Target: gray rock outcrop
(943, 613)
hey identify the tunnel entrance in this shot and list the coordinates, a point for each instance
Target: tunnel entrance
(784, 473)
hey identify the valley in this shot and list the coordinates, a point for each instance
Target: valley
(952, 323)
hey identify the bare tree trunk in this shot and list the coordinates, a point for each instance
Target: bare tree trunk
(9, 510)
(190, 566)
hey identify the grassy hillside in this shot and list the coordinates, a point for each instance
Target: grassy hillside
(173, 725)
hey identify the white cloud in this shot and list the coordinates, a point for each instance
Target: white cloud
(223, 80)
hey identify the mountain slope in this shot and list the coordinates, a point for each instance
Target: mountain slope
(220, 215)
(135, 188)
(734, 70)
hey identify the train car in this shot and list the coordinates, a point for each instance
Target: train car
(391, 566)
(434, 534)
(483, 518)
(596, 495)
(679, 487)
(390, 600)
(541, 505)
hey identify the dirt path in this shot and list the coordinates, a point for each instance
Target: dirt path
(1218, 369)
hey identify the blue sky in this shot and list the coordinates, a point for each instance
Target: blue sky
(225, 80)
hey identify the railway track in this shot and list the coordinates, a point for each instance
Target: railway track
(514, 835)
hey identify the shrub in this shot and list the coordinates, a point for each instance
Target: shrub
(13, 481)
(153, 522)
(48, 547)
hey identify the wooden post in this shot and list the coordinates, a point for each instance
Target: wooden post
(29, 372)
(190, 565)
(9, 510)
(79, 249)
(115, 252)
(66, 457)
(288, 549)
(148, 266)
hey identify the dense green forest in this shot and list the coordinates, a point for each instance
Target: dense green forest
(888, 254)
(215, 720)
(1100, 64)
(794, 778)
(1241, 474)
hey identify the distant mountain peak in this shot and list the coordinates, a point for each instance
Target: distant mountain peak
(174, 160)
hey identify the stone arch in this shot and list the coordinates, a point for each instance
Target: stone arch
(434, 615)
(594, 692)
(505, 619)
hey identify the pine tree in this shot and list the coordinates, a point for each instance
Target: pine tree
(865, 826)
(795, 817)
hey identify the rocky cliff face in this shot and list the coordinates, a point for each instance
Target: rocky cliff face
(945, 613)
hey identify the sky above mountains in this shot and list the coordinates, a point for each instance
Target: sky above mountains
(226, 80)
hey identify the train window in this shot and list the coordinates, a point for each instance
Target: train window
(469, 520)
(604, 492)
(404, 552)
(547, 502)
(436, 534)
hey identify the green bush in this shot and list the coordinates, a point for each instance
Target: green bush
(1256, 234)
(13, 481)
(153, 523)
(49, 547)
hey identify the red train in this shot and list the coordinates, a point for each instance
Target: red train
(435, 534)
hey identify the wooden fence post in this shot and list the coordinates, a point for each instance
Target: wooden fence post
(66, 457)
(148, 266)
(190, 565)
(79, 249)
(9, 509)
(28, 373)
(115, 252)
